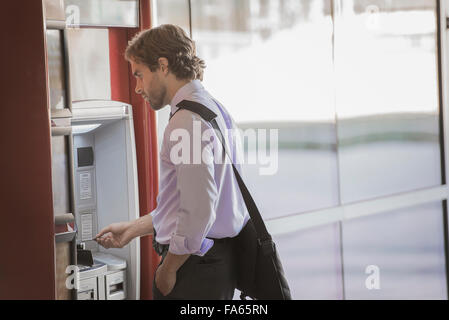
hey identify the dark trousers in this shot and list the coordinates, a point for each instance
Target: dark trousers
(210, 277)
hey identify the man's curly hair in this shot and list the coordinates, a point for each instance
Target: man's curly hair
(171, 42)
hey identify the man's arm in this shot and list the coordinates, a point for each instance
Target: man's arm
(142, 226)
(166, 273)
(195, 183)
(118, 235)
(173, 262)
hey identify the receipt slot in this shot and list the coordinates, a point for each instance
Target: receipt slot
(91, 282)
(115, 284)
(106, 190)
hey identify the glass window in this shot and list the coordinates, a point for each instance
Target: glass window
(312, 262)
(387, 97)
(270, 64)
(115, 13)
(90, 74)
(403, 251)
(352, 88)
(173, 12)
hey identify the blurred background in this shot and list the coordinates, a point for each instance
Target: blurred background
(353, 87)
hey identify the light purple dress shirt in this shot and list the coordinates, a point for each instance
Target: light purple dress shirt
(198, 201)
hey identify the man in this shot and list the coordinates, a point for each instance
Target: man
(199, 205)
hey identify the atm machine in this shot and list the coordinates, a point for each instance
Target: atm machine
(94, 167)
(106, 191)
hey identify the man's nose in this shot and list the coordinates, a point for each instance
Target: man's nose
(138, 90)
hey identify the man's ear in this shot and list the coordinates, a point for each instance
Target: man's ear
(163, 65)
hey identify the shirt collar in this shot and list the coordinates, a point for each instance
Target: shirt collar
(185, 92)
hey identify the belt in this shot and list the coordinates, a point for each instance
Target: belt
(161, 249)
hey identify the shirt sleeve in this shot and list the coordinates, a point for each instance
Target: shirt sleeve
(193, 161)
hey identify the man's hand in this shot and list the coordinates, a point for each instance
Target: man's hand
(166, 273)
(116, 235)
(165, 280)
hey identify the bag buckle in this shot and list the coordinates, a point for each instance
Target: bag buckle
(159, 248)
(267, 246)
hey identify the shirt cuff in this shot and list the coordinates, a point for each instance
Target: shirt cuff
(178, 246)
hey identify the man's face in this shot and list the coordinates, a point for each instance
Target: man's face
(149, 85)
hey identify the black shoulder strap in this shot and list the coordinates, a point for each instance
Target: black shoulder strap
(209, 116)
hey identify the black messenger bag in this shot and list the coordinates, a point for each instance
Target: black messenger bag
(258, 268)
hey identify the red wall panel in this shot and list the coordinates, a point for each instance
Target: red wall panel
(27, 261)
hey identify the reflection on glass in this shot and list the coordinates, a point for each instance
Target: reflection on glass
(102, 12)
(270, 64)
(173, 12)
(54, 10)
(60, 175)
(56, 69)
(407, 249)
(312, 262)
(387, 97)
(90, 74)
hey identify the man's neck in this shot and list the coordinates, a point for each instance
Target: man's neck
(174, 87)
